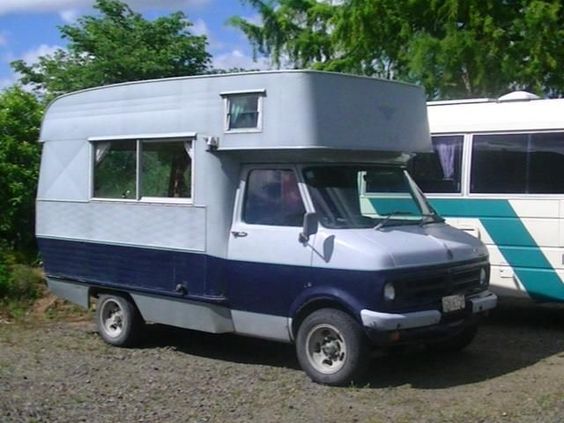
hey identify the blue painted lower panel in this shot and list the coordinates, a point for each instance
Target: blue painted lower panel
(255, 287)
(247, 286)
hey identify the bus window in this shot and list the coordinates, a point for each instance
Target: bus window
(546, 164)
(517, 164)
(439, 171)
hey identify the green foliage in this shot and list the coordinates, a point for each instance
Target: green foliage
(20, 117)
(118, 45)
(297, 31)
(25, 283)
(6, 263)
(17, 281)
(453, 48)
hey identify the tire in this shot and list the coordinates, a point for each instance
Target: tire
(332, 348)
(118, 321)
(455, 343)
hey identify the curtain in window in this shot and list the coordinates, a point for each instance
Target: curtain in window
(102, 149)
(446, 151)
(236, 110)
(188, 149)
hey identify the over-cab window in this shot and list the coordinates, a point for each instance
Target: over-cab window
(273, 198)
(243, 111)
(137, 169)
(439, 171)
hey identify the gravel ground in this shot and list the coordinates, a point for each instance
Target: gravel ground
(62, 372)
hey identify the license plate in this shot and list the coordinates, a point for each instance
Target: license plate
(453, 303)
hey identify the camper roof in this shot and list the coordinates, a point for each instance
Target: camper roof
(255, 110)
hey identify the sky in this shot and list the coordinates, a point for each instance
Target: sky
(28, 28)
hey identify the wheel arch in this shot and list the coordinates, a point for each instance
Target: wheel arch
(96, 291)
(317, 303)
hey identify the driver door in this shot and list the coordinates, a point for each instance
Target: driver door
(268, 218)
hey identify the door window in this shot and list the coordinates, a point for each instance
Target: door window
(273, 198)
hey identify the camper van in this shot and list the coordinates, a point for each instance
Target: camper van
(497, 172)
(232, 204)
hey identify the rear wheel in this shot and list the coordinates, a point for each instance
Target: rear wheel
(455, 343)
(331, 347)
(118, 321)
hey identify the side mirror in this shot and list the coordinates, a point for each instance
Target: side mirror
(311, 223)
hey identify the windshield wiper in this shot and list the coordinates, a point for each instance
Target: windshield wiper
(431, 218)
(389, 216)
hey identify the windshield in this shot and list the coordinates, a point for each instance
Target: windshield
(366, 196)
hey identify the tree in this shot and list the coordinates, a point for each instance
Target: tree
(453, 48)
(118, 45)
(20, 117)
(297, 31)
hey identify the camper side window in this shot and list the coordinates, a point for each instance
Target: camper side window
(134, 169)
(115, 165)
(273, 198)
(166, 170)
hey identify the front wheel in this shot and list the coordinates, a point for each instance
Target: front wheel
(331, 347)
(117, 319)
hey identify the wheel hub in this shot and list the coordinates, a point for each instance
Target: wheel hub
(326, 349)
(112, 316)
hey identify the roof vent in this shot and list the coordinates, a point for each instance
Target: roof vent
(518, 96)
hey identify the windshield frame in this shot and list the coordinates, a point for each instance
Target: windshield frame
(426, 212)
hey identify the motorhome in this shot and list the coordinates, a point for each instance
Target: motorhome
(232, 204)
(497, 173)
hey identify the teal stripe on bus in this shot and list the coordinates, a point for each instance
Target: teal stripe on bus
(510, 235)
(507, 231)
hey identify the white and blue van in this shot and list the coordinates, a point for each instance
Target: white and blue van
(233, 204)
(497, 172)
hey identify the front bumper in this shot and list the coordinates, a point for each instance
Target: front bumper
(375, 320)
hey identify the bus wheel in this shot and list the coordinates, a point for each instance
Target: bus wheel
(117, 319)
(455, 343)
(331, 347)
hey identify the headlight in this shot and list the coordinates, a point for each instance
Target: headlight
(389, 292)
(483, 277)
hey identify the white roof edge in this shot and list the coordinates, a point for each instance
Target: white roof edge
(512, 96)
(191, 135)
(462, 101)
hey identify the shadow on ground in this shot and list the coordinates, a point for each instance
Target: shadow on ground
(514, 337)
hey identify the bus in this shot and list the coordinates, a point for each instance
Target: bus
(497, 172)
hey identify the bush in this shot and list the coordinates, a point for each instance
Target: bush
(25, 283)
(20, 284)
(7, 260)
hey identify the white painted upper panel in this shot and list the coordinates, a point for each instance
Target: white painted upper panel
(169, 226)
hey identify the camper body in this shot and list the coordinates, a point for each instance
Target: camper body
(233, 204)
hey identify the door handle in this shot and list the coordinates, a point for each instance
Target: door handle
(239, 234)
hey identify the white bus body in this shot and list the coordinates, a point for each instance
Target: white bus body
(497, 172)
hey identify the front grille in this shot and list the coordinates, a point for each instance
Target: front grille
(427, 288)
